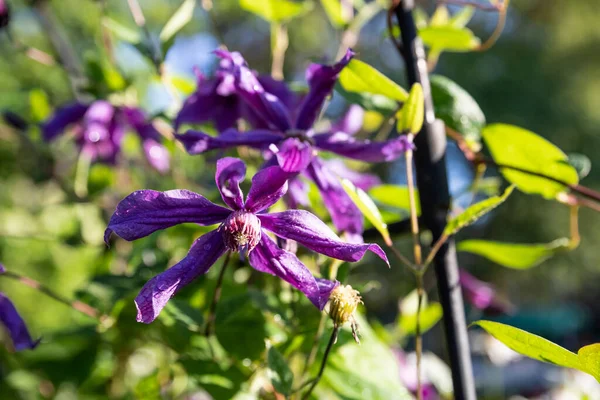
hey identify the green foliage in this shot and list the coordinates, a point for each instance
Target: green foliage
(335, 12)
(359, 77)
(395, 196)
(368, 209)
(281, 375)
(39, 105)
(410, 117)
(431, 313)
(181, 18)
(121, 31)
(518, 147)
(536, 347)
(474, 212)
(276, 11)
(448, 38)
(514, 255)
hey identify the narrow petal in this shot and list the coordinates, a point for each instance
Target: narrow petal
(297, 194)
(157, 155)
(62, 118)
(321, 80)
(267, 257)
(351, 122)
(361, 180)
(205, 251)
(230, 172)
(293, 155)
(247, 86)
(268, 186)
(482, 295)
(197, 142)
(17, 330)
(308, 230)
(364, 150)
(147, 211)
(344, 214)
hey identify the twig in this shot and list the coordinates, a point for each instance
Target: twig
(315, 381)
(575, 238)
(475, 4)
(418, 335)
(279, 45)
(402, 258)
(434, 250)
(351, 34)
(498, 30)
(216, 296)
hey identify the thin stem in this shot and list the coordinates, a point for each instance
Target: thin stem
(351, 34)
(479, 173)
(418, 336)
(575, 238)
(498, 30)
(332, 340)
(216, 296)
(434, 250)
(414, 222)
(475, 4)
(74, 304)
(279, 45)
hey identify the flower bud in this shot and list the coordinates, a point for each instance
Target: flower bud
(241, 231)
(343, 301)
(4, 14)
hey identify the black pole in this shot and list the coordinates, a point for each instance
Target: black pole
(432, 182)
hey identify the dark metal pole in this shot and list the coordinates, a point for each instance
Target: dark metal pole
(432, 182)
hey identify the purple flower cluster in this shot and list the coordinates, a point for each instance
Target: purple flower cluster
(99, 129)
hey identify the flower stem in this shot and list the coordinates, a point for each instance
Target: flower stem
(279, 45)
(210, 321)
(74, 304)
(418, 336)
(332, 340)
(502, 9)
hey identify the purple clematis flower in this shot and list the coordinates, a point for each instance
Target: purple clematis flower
(243, 227)
(14, 324)
(287, 133)
(99, 128)
(482, 295)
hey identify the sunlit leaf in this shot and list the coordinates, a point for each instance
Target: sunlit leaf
(276, 10)
(39, 105)
(449, 38)
(178, 20)
(440, 16)
(410, 117)
(474, 212)
(360, 77)
(121, 31)
(367, 208)
(518, 147)
(279, 372)
(514, 255)
(457, 109)
(589, 357)
(368, 101)
(394, 196)
(431, 313)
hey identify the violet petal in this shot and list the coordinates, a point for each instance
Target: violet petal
(15, 325)
(363, 150)
(196, 142)
(157, 155)
(62, 118)
(361, 180)
(351, 122)
(293, 155)
(230, 172)
(268, 186)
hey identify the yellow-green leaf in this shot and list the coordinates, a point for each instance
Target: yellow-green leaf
(410, 117)
(518, 147)
(514, 255)
(449, 38)
(589, 357)
(39, 105)
(367, 208)
(335, 12)
(474, 212)
(394, 196)
(178, 20)
(121, 31)
(276, 10)
(360, 77)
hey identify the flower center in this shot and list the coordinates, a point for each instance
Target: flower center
(241, 231)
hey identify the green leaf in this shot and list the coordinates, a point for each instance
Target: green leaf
(367, 208)
(370, 102)
(360, 77)
(474, 212)
(581, 163)
(394, 196)
(431, 313)
(531, 345)
(589, 357)
(178, 20)
(276, 10)
(457, 109)
(279, 372)
(410, 117)
(39, 105)
(335, 12)
(449, 38)
(440, 16)
(518, 147)
(121, 31)
(514, 255)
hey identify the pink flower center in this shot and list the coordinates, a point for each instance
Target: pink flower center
(241, 231)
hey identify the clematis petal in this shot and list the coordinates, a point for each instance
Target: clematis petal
(247, 86)
(230, 172)
(17, 330)
(482, 295)
(147, 211)
(62, 118)
(344, 214)
(267, 257)
(196, 142)
(308, 230)
(157, 155)
(297, 194)
(293, 155)
(361, 180)
(205, 251)
(268, 186)
(364, 150)
(351, 122)
(321, 80)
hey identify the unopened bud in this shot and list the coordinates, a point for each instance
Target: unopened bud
(241, 231)
(343, 301)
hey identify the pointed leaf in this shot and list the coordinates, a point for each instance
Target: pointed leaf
(514, 255)
(589, 357)
(335, 12)
(368, 101)
(518, 147)
(178, 20)
(360, 77)
(279, 372)
(410, 117)
(121, 31)
(394, 196)
(276, 10)
(462, 17)
(476, 211)
(367, 208)
(449, 38)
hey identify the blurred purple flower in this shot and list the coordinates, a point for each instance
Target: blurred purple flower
(99, 128)
(4, 14)
(243, 227)
(482, 295)
(14, 324)
(284, 128)
(408, 377)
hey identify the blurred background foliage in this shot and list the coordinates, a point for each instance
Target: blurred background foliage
(542, 74)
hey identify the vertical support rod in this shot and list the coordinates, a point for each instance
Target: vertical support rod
(432, 182)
